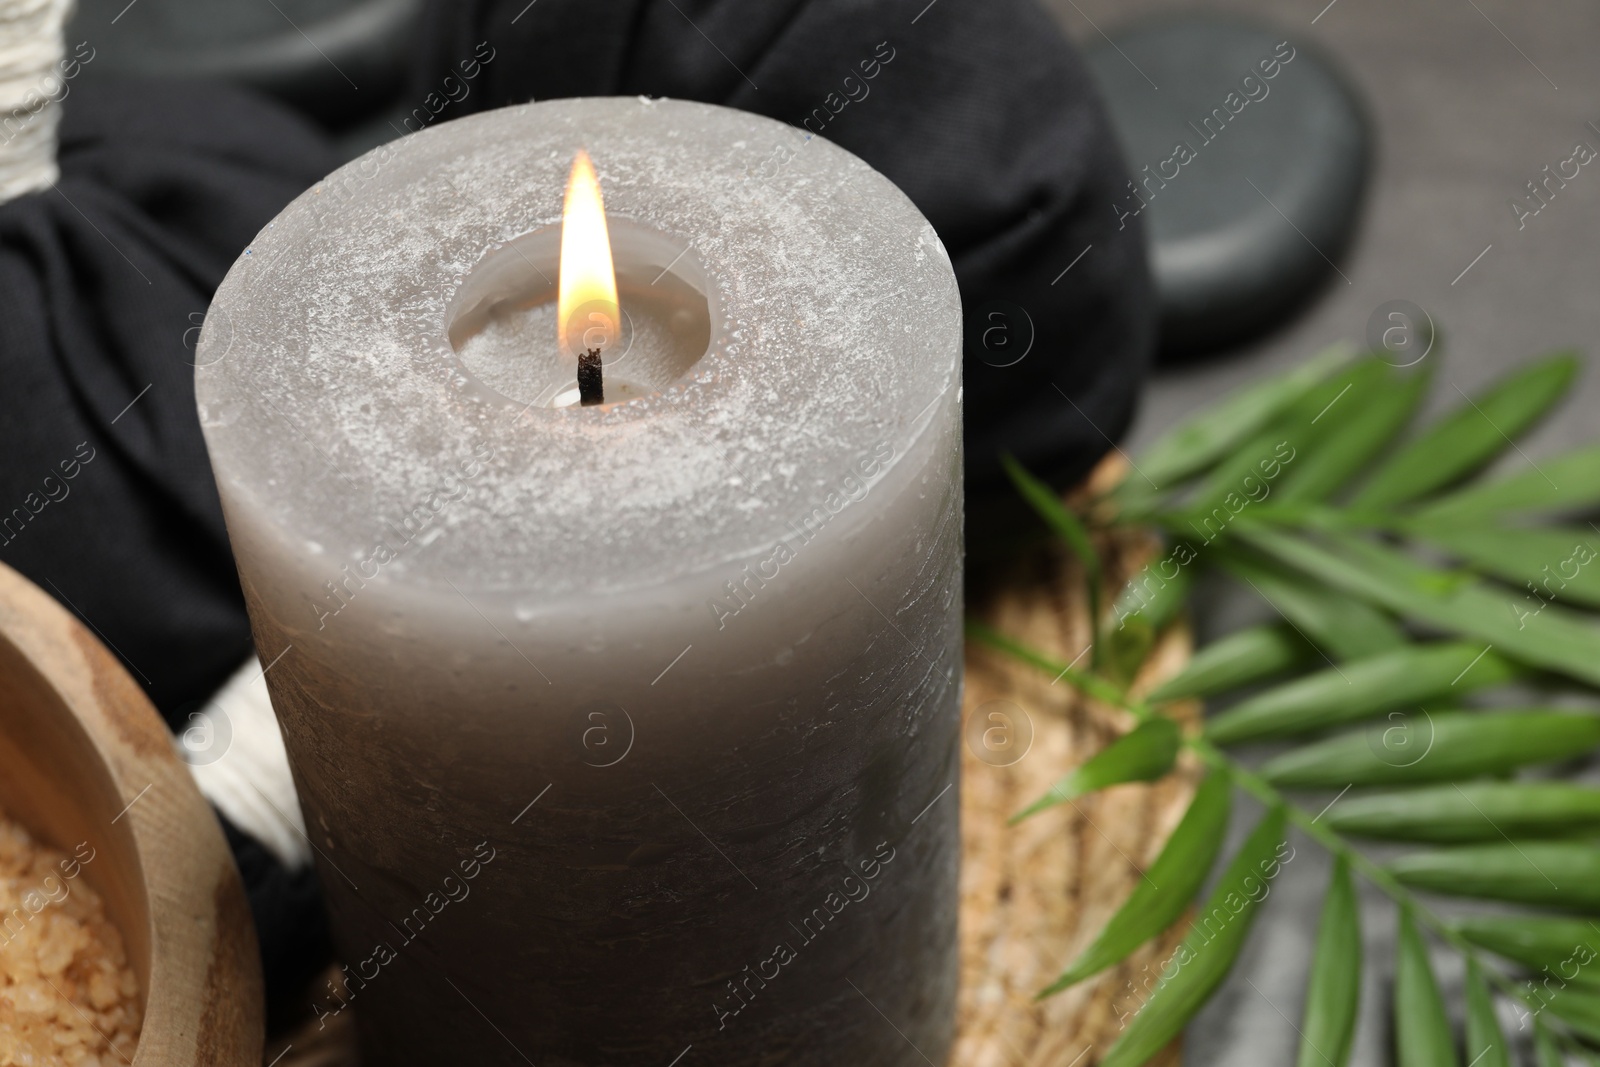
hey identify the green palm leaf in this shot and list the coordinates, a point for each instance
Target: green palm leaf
(1268, 459)
(1486, 1045)
(1249, 655)
(1545, 564)
(1470, 811)
(1089, 683)
(1047, 503)
(1579, 1009)
(1568, 482)
(1561, 640)
(1143, 754)
(1341, 626)
(1554, 874)
(1165, 889)
(1470, 436)
(1564, 945)
(1209, 950)
(1333, 995)
(1195, 445)
(1421, 1028)
(1354, 437)
(1152, 597)
(1399, 677)
(1147, 602)
(1435, 747)
(1545, 1052)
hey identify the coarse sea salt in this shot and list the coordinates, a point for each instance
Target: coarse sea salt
(67, 995)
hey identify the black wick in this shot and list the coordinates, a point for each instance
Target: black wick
(591, 385)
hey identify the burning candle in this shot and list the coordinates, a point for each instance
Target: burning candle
(626, 730)
(587, 301)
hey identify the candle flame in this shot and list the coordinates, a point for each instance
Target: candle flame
(587, 292)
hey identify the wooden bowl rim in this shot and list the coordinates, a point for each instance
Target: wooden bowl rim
(204, 1001)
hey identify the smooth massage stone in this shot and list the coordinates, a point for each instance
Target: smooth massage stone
(1249, 154)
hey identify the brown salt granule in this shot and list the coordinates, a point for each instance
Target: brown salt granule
(67, 995)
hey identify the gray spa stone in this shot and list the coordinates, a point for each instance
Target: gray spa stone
(1249, 153)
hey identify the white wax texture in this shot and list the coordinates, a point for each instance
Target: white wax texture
(753, 577)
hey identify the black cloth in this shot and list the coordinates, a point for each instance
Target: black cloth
(104, 280)
(108, 497)
(290, 923)
(984, 116)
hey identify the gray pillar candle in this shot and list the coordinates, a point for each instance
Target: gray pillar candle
(624, 732)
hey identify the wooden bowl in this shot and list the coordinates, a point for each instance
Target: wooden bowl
(85, 757)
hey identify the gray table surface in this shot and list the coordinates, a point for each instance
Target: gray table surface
(1471, 98)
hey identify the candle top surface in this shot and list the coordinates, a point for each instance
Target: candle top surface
(335, 406)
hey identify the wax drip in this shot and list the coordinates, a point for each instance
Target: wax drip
(591, 382)
(31, 85)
